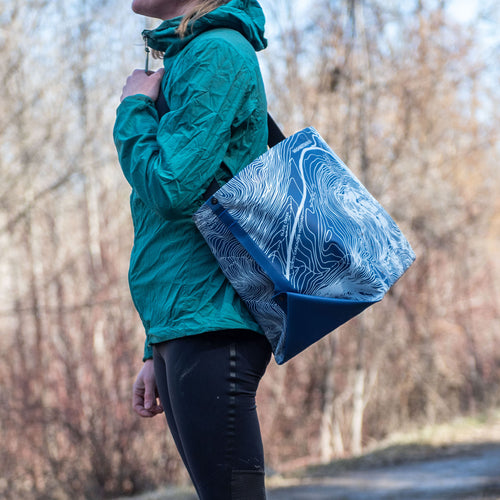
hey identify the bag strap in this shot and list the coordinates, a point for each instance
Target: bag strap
(271, 268)
(161, 103)
(275, 135)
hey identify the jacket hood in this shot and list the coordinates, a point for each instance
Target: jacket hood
(245, 16)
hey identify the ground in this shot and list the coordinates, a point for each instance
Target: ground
(469, 473)
(459, 461)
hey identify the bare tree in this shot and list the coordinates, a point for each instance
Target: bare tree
(404, 94)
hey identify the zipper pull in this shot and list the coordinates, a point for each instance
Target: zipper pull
(147, 50)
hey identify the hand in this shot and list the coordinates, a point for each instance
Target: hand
(140, 82)
(145, 393)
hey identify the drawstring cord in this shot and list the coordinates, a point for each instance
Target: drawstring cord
(147, 50)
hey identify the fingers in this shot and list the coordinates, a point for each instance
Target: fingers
(141, 408)
(140, 82)
(144, 399)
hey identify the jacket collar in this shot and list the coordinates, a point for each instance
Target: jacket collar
(245, 16)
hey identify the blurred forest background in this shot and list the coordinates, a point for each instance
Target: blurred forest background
(409, 98)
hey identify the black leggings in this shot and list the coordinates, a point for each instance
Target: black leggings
(207, 385)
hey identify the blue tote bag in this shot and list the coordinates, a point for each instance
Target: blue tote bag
(303, 242)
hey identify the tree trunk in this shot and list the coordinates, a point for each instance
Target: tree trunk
(329, 433)
(359, 392)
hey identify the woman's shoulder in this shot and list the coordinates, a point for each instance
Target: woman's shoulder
(220, 41)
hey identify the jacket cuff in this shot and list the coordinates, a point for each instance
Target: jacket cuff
(148, 350)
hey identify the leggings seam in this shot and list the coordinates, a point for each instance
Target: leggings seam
(231, 420)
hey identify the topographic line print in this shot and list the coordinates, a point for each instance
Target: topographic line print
(297, 213)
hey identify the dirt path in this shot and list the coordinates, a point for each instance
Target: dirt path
(473, 474)
(470, 473)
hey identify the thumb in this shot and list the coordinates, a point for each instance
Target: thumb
(149, 386)
(158, 75)
(149, 394)
(155, 84)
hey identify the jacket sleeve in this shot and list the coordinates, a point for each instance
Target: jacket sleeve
(171, 163)
(148, 350)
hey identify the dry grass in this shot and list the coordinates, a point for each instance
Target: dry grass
(484, 428)
(458, 436)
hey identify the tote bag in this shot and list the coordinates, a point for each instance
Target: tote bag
(303, 242)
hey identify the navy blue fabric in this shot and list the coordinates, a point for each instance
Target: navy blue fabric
(302, 241)
(207, 385)
(327, 313)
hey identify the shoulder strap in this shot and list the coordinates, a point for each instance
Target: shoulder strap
(161, 104)
(275, 134)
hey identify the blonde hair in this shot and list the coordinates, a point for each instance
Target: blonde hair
(198, 10)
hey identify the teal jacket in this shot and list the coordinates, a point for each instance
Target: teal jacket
(217, 113)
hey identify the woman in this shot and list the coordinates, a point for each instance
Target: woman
(204, 353)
